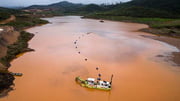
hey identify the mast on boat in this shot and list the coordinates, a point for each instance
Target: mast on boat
(111, 79)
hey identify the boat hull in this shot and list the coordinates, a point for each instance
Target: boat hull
(84, 83)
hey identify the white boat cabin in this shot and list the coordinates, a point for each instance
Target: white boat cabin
(91, 81)
(1, 29)
(99, 84)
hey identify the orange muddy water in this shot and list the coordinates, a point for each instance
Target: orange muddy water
(115, 47)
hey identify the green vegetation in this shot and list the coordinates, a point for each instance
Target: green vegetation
(163, 16)
(25, 22)
(23, 19)
(18, 47)
(5, 13)
(160, 26)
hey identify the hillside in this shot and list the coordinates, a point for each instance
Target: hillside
(65, 8)
(167, 5)
(6, 13)
(54, 9)
(162, 16)
(134, 8)
(147, 8)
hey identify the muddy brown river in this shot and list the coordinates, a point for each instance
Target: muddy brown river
(115, 47)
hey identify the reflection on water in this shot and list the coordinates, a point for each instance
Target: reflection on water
(115, 47)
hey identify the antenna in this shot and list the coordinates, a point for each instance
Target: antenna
(111, 78)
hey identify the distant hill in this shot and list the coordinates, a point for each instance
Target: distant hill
(168, 5)
(69, 8)
(63, 4)
(145, 8)
(134, 8)
(62, 7)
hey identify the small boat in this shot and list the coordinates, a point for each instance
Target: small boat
(16, 74)
(101, 21)
(92, 83)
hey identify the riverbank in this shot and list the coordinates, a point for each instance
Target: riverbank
(166, 30)
(175, 57)
(14, 41)
(157, 26)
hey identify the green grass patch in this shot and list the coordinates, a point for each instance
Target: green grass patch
(161, 26)
(22, 22)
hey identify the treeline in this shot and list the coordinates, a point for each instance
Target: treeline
(5, 13)
(134, 8)
(145, 8)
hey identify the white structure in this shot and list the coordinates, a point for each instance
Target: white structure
(100, 84)
(1, 29)
(103, 84)
(91, 81)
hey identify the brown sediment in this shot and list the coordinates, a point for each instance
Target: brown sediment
(172, 41)
(11, 18)
(169, 32)
(12, 43)
(7, 37)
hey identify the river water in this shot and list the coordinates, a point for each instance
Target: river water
(115, 47)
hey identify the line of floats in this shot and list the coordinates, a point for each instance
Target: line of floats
(94, 83)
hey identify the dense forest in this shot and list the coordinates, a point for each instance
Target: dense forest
(134, 8)
(5, 13)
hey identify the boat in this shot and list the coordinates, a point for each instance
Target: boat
(95, 84)
(16, 74)
(101, 21)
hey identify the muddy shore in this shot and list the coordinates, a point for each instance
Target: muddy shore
(171, 41)
(12, 43)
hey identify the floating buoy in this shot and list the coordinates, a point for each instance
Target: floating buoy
(99, 79)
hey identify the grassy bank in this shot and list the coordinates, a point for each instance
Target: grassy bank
(23, 22)
(160, 26)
